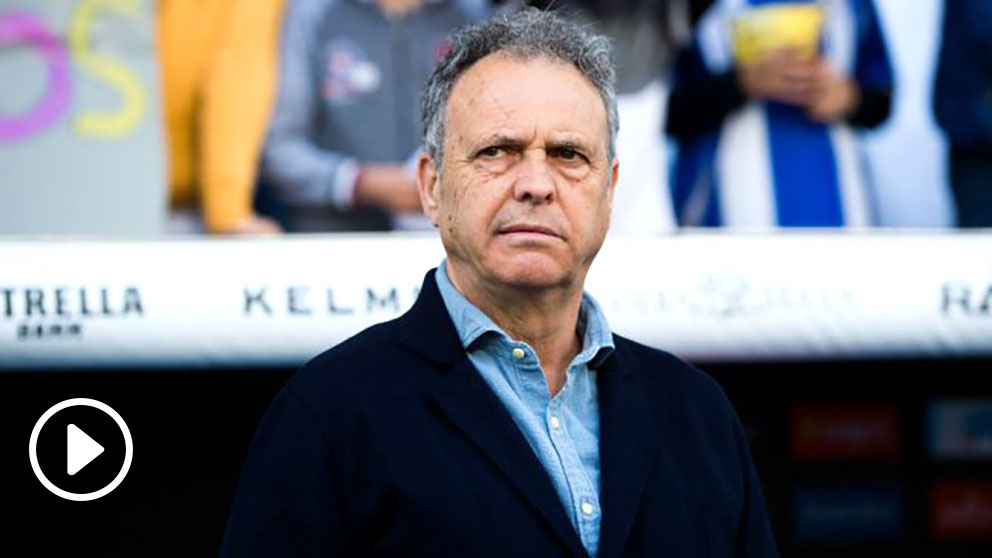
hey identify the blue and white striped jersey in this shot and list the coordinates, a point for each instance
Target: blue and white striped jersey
(768, 165)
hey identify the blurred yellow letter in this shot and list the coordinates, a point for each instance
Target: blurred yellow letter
(124, 120)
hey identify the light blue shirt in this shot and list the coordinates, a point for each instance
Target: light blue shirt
(562, 430)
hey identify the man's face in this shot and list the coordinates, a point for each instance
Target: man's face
(524, 195)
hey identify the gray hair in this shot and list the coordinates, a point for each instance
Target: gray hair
(527, 34)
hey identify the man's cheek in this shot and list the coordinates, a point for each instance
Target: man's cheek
(450, 224)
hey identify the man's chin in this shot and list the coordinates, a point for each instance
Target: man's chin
(532, 270)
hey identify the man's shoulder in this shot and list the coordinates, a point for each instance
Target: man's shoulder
(371, 340)
(312, 11)
(363, 368)
(692, 409)
(667, 376)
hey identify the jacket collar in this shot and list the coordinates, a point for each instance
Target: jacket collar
(427, 329)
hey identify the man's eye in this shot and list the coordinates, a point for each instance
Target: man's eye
(491, 151)
(568, 154)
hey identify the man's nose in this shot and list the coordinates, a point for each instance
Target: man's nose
(535, 182)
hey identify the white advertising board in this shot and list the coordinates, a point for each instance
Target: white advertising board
(239, 302)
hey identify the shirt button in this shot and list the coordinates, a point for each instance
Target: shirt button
(587, 509)
(555, 423)
(518, 353)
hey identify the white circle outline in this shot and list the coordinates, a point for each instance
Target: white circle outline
(33, 449)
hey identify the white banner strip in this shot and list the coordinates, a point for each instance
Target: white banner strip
(236, 302)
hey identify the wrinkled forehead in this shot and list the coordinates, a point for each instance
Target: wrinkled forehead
(510, 94)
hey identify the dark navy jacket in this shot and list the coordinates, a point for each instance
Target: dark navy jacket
(392, 444)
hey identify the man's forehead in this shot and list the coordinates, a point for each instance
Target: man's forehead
(505, 75)
(512, 97)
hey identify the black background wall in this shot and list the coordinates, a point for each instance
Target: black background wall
(191, 431)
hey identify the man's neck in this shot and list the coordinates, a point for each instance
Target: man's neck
(544, 319)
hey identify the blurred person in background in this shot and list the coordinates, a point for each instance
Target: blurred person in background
(646, 35)
(763, 105)
(344, 133)
(218, 61)
(963, 106)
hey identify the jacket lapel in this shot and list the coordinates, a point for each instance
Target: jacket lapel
(629, 440)
(465, 398)
(480, 415)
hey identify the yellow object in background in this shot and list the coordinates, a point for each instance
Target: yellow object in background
(761, 30)
(219, 61)
(123, 121)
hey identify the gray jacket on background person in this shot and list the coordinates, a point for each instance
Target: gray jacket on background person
(349, 93)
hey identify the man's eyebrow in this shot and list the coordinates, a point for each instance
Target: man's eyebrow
(518, 142)
(568, 143)
(502, 139)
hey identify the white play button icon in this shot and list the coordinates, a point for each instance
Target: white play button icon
(80, 449)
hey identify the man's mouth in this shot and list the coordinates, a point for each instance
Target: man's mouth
(529, 229)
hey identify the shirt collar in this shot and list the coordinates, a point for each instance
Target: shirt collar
(471, 323)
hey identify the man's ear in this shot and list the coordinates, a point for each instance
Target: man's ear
(427, 185)
(614, 175)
